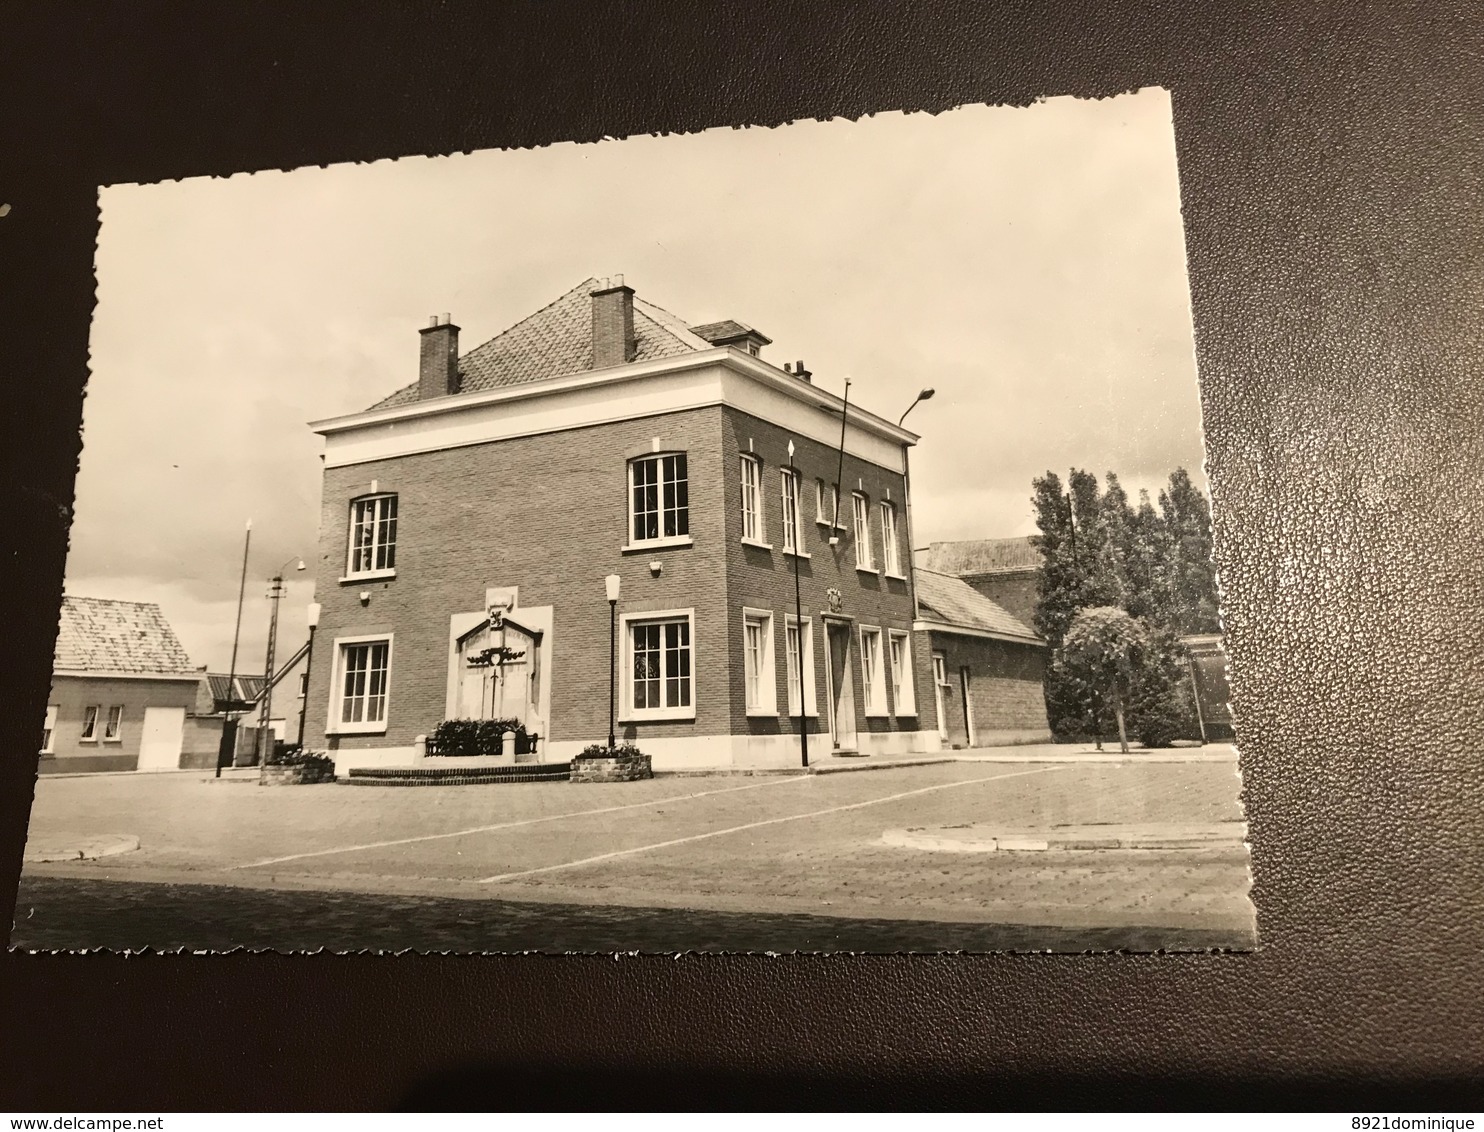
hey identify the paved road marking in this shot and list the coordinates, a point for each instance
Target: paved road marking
(512, 824)
(760, 824)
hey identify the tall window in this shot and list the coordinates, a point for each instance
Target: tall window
(940, 683)
(792, 531)
(89, 723)
(890, 560)
(660, 652)
(752, 498)
(364, 668)
(373, 534)
(863, 557)
(800, 647)
(49, 730)
(873, 676)
(903, 693)
(757, 656)
(660, 498)
(114, 720)
(826, 503)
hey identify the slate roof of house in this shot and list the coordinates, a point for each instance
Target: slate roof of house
(980, 556)
(558, 340)
(100, 635)
(727, 329)
(942, 597)
(248, 687)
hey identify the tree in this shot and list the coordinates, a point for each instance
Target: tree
(1100, 656)
(1190, 600)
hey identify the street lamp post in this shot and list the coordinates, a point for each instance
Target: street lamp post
(798, 606)
(313, 619)
(612, 583)
(924, 395)
(228, 747)
(265, 718)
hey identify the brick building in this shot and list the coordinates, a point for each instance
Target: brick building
(477, 512)
(122, 688)
(1001, 569)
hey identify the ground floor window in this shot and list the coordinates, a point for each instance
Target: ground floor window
(800, 646)
(757, 656)
(49, 729)
(660, 683)
(113, 723)
(873, 675)
(903, 694)
(89, 723)
(364, 677)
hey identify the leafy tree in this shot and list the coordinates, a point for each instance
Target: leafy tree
(1100, 657)
(1191, 601)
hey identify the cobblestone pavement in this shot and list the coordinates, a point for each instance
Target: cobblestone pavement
(559, 863)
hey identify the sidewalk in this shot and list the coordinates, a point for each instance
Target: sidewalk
(1029, 753)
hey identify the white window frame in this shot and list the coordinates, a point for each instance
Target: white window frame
(790, 487)
(628, 712)
(379, 524)
(760, 687)
(113, 725)
(754, 522)
(333, 723)
(811, 707)
(903, 686)
(940, 682)
(861, 508)
(49, 731)
(891, 559)
(89, 732)
(821, 516)
(682, 512)
(873, 671)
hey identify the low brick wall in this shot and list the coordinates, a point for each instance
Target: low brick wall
(295, 775)
(629, 769)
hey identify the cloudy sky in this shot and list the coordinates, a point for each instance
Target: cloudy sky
(1027, 263)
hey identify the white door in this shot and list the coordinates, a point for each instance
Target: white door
(160, 741)
(940, 681)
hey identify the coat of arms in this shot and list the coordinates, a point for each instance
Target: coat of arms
(832, 595)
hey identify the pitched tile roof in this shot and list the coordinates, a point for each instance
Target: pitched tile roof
(248, 687)
(980, 556)
(558, 340)
(942, 597)
(726, 330)
(99, 635)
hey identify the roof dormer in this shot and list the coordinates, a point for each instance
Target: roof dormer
(730, 333)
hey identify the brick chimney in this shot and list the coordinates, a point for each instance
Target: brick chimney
(613, 324)
(802, 373)
(438, 371)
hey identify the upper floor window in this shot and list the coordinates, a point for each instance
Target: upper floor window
(752, 498)
(373, 535)
(826, 503)
(864, 560)
(792, 528)
(890, 560)
(660, 498)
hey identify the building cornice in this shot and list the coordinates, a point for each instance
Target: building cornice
(734, 360)
(106, 674)
(929, 625)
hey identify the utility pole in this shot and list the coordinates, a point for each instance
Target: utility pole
(798, 605)
(228, 748)
(265, 717)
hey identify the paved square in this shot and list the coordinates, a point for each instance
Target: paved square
(786, 845)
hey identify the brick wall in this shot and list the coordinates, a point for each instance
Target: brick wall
(1015, 592)
(546, 513)
(1005, 687)
(764, 579)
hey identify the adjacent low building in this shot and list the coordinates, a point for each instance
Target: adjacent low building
(122, 688)
(1002, 569)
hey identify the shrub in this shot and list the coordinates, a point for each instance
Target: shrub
(462, 737)
(297, 756)
(603, 751)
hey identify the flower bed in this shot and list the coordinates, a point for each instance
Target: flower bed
(600, 763)
(463, 738)
(298, 769)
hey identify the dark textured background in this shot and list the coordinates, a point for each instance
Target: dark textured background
(1330, 161)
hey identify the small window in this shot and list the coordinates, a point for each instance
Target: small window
(873, 675)
(792, 529)
(660, 680)
(903, 694)
(757, 655)
(49, 729)
(659, 498)
(890, 561)
(89, 723)
(752, 498)
(940, 688)
(800, 644)
(113, 722)
(863, 557)
(365, 670)
(373, 535)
